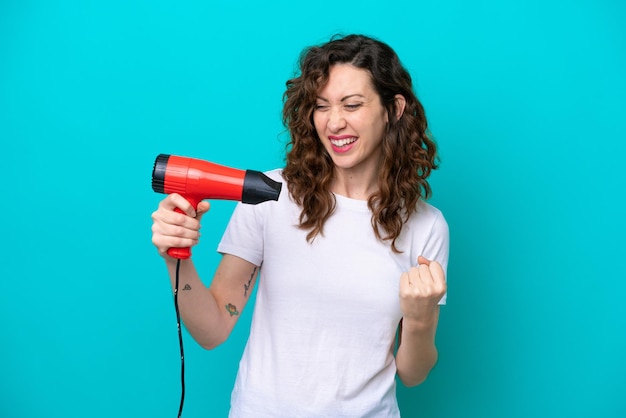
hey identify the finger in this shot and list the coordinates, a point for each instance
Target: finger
(438, 283)
(437, 272)
(176, 231)
(203, 208)
(407, 286)
(424, 271)
(176, 201)
(167, 218)
(413, 275)
(169, 223)
(404, 280)
(164, 243)
(422, 260)
(165, 232)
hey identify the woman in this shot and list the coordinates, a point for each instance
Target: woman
(351, 256)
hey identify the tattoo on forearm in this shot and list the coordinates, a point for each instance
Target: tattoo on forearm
(246, 286)
(232, 309)
(187, 287)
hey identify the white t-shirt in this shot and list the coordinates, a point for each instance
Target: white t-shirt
(327, 312)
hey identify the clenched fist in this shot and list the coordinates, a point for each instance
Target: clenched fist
(421, 289)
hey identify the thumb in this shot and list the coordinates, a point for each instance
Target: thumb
(423, 260)
(203, 207)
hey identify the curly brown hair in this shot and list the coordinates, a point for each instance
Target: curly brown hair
(408, 150)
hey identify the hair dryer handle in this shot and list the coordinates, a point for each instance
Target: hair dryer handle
(180, 252)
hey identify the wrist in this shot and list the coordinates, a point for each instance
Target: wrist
(420, 325)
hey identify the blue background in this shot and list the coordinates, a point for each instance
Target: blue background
(527, 100)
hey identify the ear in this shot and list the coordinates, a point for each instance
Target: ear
(400, 104)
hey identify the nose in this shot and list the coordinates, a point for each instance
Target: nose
(336, 121)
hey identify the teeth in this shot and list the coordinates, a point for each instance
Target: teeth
(342, 142)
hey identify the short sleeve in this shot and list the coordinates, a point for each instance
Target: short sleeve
(438, 246)
(243, 236)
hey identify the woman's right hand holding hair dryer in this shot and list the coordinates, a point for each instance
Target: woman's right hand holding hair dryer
(174, 229)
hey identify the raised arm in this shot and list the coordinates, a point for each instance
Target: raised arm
(209, 313)
(421, 289)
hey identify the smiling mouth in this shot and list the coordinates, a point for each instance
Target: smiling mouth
(342, 142)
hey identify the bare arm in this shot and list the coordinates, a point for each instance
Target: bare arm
(417, 353)
(421, 288)
(209, 313)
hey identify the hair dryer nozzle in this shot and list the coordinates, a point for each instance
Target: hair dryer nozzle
(257, 188)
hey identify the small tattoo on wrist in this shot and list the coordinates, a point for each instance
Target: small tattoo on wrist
(187, 287)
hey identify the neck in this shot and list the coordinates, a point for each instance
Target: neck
(353, 185)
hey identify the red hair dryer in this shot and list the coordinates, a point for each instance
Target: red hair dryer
(197, 180)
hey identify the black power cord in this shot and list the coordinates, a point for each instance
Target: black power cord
(180, 342)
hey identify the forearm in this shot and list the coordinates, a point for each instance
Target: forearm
(199, 310)
(417, 353)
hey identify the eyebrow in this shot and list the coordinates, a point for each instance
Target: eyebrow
(344, 98)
